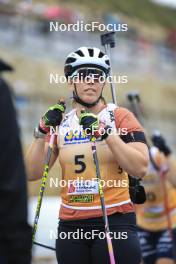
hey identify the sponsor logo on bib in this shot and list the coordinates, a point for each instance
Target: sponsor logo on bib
(88, 198)
(82, 187)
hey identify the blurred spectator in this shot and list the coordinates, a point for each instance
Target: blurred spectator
(15, 233)
(171, 39)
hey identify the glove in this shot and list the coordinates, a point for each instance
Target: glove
(93, 127)
(159, 142)
(136, 190)
(52, 117)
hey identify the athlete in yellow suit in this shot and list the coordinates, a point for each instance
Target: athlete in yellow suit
(121, 151)
(157, 242)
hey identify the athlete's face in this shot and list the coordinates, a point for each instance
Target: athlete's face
(89, 88)
(89, 92)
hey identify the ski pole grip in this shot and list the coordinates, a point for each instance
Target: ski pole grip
(130, 97)
(62, 102)
(83, 111)
(108, 39)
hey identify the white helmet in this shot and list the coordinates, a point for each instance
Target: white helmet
(86, 57)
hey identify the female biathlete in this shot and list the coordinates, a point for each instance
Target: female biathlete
(118, 155)
(156, 218)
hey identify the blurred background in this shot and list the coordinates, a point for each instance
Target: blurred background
(146, 53)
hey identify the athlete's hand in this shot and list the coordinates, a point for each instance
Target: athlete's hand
(52, 117)
(160, 142)
(92, 125)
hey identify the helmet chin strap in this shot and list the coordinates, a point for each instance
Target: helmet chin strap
(80, 101)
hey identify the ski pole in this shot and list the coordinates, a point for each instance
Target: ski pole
(135, 101)
(108, 41)
(136, 107)
(103, 207)
(102, 199)
(43, 184)
(163, 171)
(44, 179)
(44, 246)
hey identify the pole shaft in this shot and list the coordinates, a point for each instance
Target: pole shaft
(105, 218)
(42, 186)
(113, 91)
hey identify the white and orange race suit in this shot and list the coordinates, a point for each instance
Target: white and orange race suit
(80, 196)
